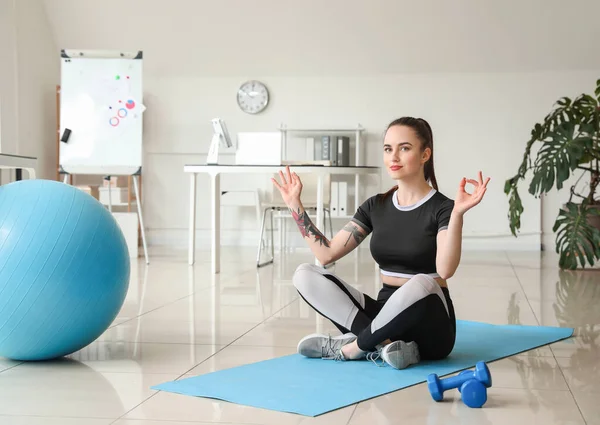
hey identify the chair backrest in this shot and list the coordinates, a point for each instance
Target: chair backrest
(309, 187)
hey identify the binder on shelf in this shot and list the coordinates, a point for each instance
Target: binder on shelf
(334, 199)
(342, 198)
(310, 148)
(325, 148)
(333, 151)
(317, 150)
(343, 151)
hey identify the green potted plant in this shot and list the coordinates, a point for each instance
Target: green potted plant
(570, 143)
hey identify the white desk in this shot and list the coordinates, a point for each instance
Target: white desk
(19, 162)
(215, 172)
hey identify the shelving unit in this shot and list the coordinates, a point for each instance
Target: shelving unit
(356, 131)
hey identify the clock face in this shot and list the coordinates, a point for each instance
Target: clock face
(253, 97)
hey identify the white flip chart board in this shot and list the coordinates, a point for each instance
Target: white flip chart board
(101, 112)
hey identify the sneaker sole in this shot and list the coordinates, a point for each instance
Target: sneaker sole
(406, 355)
(310, 353)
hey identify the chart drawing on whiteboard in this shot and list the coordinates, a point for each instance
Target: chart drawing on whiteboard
(101, 109)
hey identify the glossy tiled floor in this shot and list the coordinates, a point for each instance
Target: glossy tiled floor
(181, 321)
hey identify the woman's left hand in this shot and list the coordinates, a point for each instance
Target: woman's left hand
(465, 201)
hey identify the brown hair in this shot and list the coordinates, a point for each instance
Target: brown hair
(425, 135)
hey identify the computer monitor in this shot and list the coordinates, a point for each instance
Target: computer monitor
(220, 136)
(220, 128)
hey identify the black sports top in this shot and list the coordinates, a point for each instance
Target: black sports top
(404, 241)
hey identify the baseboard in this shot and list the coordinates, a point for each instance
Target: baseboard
(549, 242)
(178, 238)
(530, 242)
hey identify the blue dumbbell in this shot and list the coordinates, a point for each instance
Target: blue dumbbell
(473, 393)
(466, 372)
(437, 386)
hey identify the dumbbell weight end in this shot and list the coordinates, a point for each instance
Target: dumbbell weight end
(473, 393)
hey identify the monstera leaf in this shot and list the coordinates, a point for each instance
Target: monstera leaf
(576, 239)
(560, 154)
(515, 205)
(570, 140)
(511, 189)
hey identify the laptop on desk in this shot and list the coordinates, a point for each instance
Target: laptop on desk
(258, 148)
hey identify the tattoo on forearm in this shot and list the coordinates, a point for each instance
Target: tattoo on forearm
(354, 232)
(307, 227)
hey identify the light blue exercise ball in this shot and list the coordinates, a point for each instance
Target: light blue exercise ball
(64, 269)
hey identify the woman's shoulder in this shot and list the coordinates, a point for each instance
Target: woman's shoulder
(377, 198)
(441, 197)
(441, 201)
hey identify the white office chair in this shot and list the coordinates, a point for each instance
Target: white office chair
(309, 201)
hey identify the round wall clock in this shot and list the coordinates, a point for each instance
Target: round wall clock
(253, 97)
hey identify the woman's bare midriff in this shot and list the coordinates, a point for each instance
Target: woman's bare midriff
(399, 281)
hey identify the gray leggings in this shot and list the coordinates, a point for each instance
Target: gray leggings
(420, 310)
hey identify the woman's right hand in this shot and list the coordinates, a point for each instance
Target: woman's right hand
(289, 186)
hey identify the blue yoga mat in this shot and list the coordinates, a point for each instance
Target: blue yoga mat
(312, 387)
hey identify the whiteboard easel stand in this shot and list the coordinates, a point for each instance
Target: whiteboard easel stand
(91, 81)
(137, 201)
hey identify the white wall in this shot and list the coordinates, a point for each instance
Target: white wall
(9, 129)
(39, 73)
(480, 121)
(29, 72)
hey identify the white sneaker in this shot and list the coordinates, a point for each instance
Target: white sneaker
(400, 354)
(324, 346)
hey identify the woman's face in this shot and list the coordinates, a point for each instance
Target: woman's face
(402, 155)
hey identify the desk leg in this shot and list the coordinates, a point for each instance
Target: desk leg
(216, 223)
(138, 198)
(31, 172)
(192, 230)
(356, 205)
(320, 214)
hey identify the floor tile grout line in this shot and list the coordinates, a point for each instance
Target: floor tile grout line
(165, 305)
(141, 421)
(236, 339)
(172, 302)
(552, 351)
(134, 407)
(531, 308)
(209, 357)
(158, 343)
(11, 367)
(58, 417)
(522, 288)
(353, 412)
(571, 392)
(150, 311)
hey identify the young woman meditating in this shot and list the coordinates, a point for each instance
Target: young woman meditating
(416, 241)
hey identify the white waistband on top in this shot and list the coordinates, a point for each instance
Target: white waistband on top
(406, 275)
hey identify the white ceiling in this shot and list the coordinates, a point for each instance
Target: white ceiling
(335, 37)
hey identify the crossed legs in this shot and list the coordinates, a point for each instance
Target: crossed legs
(417, 311)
